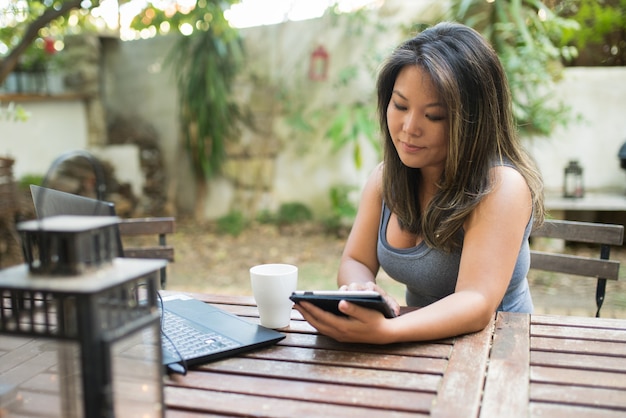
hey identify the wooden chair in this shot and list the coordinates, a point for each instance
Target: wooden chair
(158, 227)
(602, 268)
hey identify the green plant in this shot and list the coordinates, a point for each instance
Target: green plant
(233, 223)
(287, 214)
(13, 113)
(530, 40)
(266, 217)
(205, 64)
(27, 179)
(602, 28)
(352, 121)
(350, 115)
(293, 213)
(343, 211)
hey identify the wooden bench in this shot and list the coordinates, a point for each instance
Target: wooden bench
(159, 228)
(8, 208)
(602, 268)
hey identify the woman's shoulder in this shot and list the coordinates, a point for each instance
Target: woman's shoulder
(375, 180)
(509, 186)
(508, 173)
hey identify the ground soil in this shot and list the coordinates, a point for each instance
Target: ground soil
(208, 261)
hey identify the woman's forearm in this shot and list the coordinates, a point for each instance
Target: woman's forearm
(459, 313)
(352, 271)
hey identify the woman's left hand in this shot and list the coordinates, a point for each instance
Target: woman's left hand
(360, 325)
(371, 286)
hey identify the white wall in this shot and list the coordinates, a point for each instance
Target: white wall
(53, 128)
(598, 95)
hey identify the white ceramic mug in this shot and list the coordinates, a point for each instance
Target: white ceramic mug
(272, 284)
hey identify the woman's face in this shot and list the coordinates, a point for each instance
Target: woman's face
(417, 121)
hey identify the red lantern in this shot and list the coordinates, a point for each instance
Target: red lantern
(49, 47)
(318, 67)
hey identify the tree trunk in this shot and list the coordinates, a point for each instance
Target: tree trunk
(202, 193)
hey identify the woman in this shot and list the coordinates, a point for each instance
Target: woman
(450, 209)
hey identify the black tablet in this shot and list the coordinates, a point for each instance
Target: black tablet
(329, 300)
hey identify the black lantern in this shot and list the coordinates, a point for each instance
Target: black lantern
(573, 180)
(80, 328)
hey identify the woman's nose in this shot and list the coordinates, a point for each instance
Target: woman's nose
(411, 125)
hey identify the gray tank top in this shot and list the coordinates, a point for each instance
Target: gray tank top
(430, 274)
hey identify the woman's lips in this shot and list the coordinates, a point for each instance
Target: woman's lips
(410, 148)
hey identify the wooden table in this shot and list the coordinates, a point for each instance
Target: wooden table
(607, 207)
(519, 366)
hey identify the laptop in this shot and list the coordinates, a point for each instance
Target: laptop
(51, 202)
(199, 332)
(193, 332)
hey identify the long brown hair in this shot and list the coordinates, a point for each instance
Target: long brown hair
(472, 85)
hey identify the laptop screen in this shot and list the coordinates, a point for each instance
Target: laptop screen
(51, 202)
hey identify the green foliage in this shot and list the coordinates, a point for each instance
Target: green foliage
(287, 214)
(346, 117)
(205, 64)
(530, 40)
(13, 113)
(233, 223)
(341, 205)
(343, 211)
(27, 179)
(350, 121)
(266, 217)
(602, 35)
(18, 15)
(293, 213)
(597, 18)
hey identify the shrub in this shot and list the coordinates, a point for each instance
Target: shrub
(233, 223)
(28, 179)
(291, 213)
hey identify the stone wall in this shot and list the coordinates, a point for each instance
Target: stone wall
(81, 64)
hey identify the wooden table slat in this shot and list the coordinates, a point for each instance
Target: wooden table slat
(171, 413)
(581, 396)
(579, 333)
(218, 299)
(602, 348)
(579, 361)
(252, 312)
(358, 376)
(578, 322)
(508, 368)
(352, 359)
(260, 406)
(573, 377)
(426, 349)
(552, 410)
(35, 404)
(410, 401)
(464, 376)
(28, 361)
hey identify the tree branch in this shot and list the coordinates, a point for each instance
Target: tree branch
(8, 64)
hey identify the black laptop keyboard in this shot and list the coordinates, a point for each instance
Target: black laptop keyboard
(190, 342)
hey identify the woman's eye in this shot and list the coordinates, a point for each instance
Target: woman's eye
(435, 117)
(399, 106)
